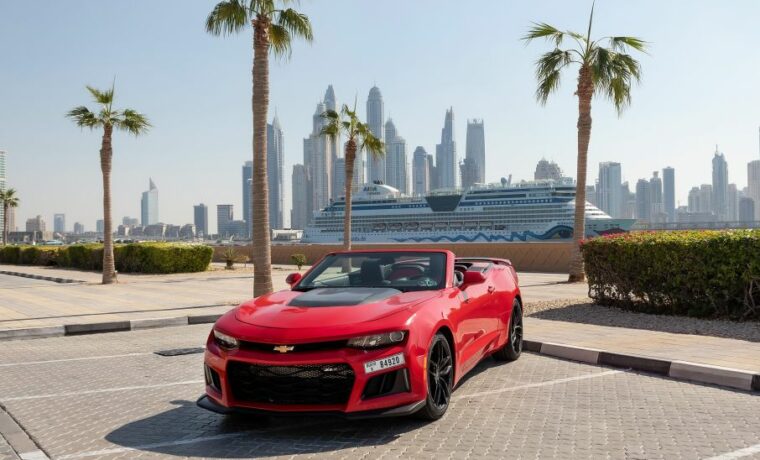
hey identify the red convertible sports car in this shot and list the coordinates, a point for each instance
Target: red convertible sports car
(365, 334)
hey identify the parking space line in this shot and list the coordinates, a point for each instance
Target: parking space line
(535, 385)
(741, 453)
(182, 442)
(104, 390)
(86, 358)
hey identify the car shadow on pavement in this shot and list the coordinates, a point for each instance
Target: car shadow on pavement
(187, 430)
(588, 313)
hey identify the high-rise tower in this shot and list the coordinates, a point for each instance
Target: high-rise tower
(669, 192)
(609, 189)
(375, 119)
(395, 158)
(420, 171)
(200, 218)
(149, 205)
(247, 180)
(275, 149)
(446, 154)
(720, 186)
(475, 152)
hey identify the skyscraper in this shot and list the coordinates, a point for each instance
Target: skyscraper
(395, 158)
(375, 119)
(200, 219)
(705, 198)
(149, 205)
(446, 154)
(36, 224)
(2, 189)
(753, 185)
(657, 213)
(335, 151)
(669, 192)
(733, 203)
(59, 223)
(78, 228)
(468, 171)
(720, 186)
(317, 157)
(610, 182)
(247, 180)
(330, 102)
(224, 218)
(420, 171)
(275, 152)
(475, 152)
(746, 209)
(300, 212)
(100, 226)
(547, 170)
(643, 200)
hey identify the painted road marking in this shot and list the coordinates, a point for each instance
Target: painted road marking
(87, 358)
(741, 453)
(104, 390)
(535, 385)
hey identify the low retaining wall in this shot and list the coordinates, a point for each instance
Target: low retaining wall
(527, 257)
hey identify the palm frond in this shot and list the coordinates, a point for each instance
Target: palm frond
(544, 30)
(227, 17)
(132, 121)
(622, 43)
(279, 40)
(547, 84)
(83, 117)
(101, 97)
(614, 74)
(296, 23)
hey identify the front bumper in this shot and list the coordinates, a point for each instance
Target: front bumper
(221, 391)
(210, 404)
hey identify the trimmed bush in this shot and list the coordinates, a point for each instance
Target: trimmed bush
(695, 273)
(130, 258)
(298, 259)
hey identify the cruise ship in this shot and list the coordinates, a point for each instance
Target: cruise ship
(520, 212)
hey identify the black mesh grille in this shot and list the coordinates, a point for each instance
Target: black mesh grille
(303, 384)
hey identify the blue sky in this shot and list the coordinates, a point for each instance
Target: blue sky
(700, 88)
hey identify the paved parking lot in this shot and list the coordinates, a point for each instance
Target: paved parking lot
(110, 396)
(15, 282)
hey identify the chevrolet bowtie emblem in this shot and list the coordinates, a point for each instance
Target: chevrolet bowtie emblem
(284, 348)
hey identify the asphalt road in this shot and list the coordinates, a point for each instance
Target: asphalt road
(109, 396)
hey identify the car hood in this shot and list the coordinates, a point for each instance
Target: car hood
(327, 307)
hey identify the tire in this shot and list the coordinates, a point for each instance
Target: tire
(440, 379)
(513, 348)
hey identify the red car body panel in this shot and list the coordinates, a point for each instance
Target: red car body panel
(475, 316)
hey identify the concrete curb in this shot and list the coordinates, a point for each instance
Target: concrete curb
(679, 370)
(20, 442)
(40, 277)
(109, 326)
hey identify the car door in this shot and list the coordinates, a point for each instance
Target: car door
(477, 324)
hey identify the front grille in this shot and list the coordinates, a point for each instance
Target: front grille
(302, 384)
(299, 347)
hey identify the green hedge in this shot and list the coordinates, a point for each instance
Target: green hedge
(695, 273)
(130, 258)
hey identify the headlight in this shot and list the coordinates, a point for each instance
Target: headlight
(224, 340)
(377, 340)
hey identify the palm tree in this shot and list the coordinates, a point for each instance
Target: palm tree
(605, 69)
(108, 118)
(360, 138)
(273, 29)
(9, 200)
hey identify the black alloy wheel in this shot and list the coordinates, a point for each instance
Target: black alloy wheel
(440, 379)
(513, 348)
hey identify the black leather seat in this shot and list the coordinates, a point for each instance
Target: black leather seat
(372, 273)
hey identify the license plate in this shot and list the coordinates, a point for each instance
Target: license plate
(385, 363)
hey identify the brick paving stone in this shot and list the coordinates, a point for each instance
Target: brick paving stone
(6, 453)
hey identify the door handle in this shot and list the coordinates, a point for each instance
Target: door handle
(491, 289)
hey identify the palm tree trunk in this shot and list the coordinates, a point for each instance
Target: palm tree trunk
(585, 92)
(106, 153)
(350, 159)
(262, 251)
(6, 207)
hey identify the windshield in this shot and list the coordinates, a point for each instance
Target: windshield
(404, 271)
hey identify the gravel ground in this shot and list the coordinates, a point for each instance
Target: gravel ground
(582, 311)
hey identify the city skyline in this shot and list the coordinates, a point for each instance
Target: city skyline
(494, 82)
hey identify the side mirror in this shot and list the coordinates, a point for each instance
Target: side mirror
(293, 278)
(471, 278)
